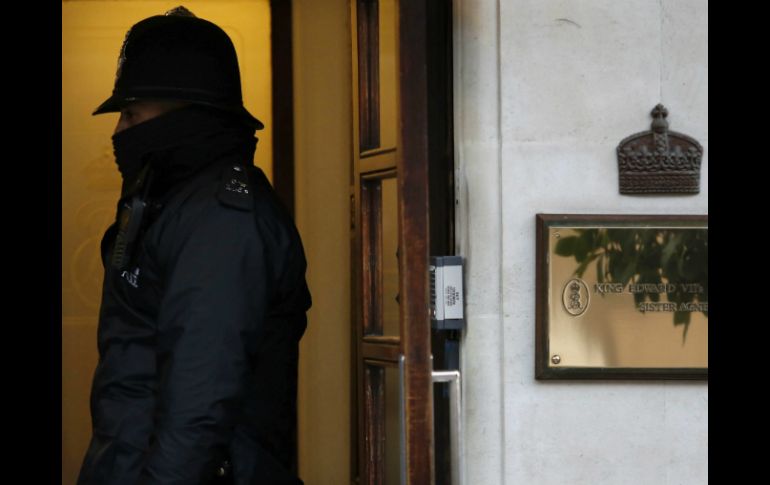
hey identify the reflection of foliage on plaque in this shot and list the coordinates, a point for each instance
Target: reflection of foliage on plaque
(675, 258)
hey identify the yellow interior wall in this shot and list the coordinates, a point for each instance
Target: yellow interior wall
(388, 47)
(92, 33)
(323, 132)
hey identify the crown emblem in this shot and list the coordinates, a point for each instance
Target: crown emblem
(659, 161)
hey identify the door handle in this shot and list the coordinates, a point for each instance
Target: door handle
(456, 435)
(402, 415)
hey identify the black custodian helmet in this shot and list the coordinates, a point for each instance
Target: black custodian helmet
(178, 56)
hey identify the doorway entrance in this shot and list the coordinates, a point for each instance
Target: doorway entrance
(393, 191)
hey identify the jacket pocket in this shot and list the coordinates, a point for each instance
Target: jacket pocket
(98, 462)
(111, 461)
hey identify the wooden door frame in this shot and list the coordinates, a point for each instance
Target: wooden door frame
(282, 90)
(413, 185)
(411, 164)
(415, 289)
(283, 100)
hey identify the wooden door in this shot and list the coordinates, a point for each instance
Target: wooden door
(393, 426)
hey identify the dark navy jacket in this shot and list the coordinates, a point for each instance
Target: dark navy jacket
(198, 340)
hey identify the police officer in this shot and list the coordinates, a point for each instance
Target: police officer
(204, 294)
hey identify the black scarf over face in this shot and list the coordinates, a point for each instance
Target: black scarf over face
(179, 143)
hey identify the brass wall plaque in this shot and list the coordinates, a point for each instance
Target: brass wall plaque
(623, 297)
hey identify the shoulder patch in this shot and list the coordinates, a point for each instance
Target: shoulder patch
(234, 189)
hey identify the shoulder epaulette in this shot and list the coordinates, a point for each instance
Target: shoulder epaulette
(234, 189)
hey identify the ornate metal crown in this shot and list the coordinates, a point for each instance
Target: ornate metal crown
(659, 161)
